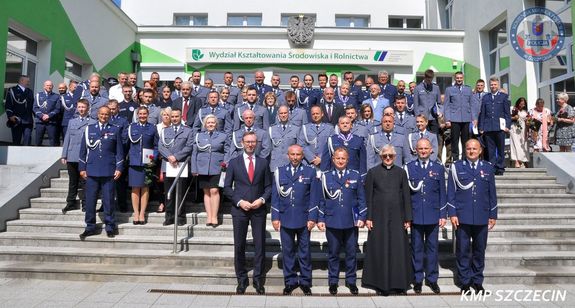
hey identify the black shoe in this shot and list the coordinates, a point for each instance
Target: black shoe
(110, 234)
(306, 290)
(352, 288)
(168, 222)
(417, 287)
(100, 210)
(83, 209)
(432, 285)
(135, 222)
(465, 289)
(478, 288)
(86, 233)
(382, 293)
(241, 288)
(333, 289)
(260, 290)
(400, 292)
(289, 288)
(181, 222)
(67, 208)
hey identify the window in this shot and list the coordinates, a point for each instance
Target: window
(73, 67)
(449, 14)
(351, 21)
(21, 59)
(285, 18)
(411, 22)
(191, 20)
(244, 20)
(22, 43)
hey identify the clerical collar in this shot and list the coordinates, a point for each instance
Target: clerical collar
(388, 167)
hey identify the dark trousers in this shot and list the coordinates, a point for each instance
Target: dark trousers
(75, 183)
(170, 205)
(241, 219)
(294, 253)
(495, 146)
(52, 130)
(22, 134)
(106, 185)
(433, 126)
(336, 238)
(121, 196)
(470, 251)
(458, 130)
(424, 247)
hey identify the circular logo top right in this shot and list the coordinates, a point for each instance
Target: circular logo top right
(537, 34)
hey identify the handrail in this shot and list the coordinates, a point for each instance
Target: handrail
(177, 203)
(169, 193)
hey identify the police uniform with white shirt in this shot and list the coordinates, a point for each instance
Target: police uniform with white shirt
(282, 136)
(47, 104)
(20, 103)
(200, 92)
(356, 149)
(313, 139)
(235, 147)
(472, 198)
(141, 137)
(295, 201)
(68, 111)
(426, 101)
(406, 121)
(412, 138)
(297, 116)
(460, 108)
(261, 118)
(342, 205)
(223, 115)
(495, 107)
(71, 153)
(426, 180)
(380, 139)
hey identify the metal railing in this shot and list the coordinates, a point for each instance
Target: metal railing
(177, 203)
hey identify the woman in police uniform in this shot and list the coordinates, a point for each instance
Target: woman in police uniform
(143, 138)
(207, 158)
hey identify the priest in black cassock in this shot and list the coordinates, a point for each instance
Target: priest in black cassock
(387, 265)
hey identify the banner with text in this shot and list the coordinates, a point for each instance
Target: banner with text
(300, 56)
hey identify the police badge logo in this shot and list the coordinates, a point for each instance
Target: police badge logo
(537, 34)
(300, 30)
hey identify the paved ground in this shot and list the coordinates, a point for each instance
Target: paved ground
(57, 293)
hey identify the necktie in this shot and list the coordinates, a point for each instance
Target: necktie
(401, 117)
(388, 136)
(292, 171)
(100, 126)
(340, 174)
(251, 106)
(249, 129)
(175, 129)
(423, 165)
(213, 109)
(196, 89)
(420, 135)
(186, 108)
(251, 169)
(329, 111)
(473, 165)
(317, 126)
(284, 127)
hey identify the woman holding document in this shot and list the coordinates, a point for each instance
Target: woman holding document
(143, 141)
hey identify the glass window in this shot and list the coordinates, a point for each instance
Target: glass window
(191, 20)
(254, 20)
(342, 21)
(352, 21)
(235, 21)
(395, 22)
(498, 35)
(244, 20)
(21, 42)
(413, 23)
(73, 68)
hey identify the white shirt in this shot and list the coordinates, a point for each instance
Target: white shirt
(22, 88)
(117, 93)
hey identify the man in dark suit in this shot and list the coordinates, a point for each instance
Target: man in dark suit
(188, 104)
(248, 184)
(19, 104)
(331, 110)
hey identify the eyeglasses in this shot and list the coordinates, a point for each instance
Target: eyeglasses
(387, 156)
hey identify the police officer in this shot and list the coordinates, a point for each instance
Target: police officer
(384, 136)
(71, 155)
(313, 137)
(297, 116)
(83, 89)
(342, 211)
(122, 182)
(402, 117)
(309, 96)
(234, 91)
(260, 112)
(148, 102)
(377, 101)
(95, 99)
(68, 108)
(429, 212)
(472, 207)
(460, 107)
(422, 133)
(175, 145)
(197, 90)
(235, 147)
(494, 122)
(101, 163)
(410, 96)
(47, 108)
(127, 106)
(19, 111)
(427, 99)
(213, 107)
(295, 200)
(388, 90)
(345, 97)
(353, 143)
(260, 86)
(282, 135)
(279, 93)
(356, 127)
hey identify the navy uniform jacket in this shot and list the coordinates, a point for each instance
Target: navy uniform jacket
(408, 123)
(235, 147)
(428, 193)
(343, 200)
(174, 143)
(222, 114)
(471, 194)
(412, 138)
(388, 91)
(308, 97)
(261, 116)
(127, 109)
(314, 139)
(73, 138)
(459, 104)
(281, 140)
(83, 91)
(47, 103)
(409, 106)
(140, 138)
(378, 140)
(68, 108)
(262, 90)
(355, 148)
(297, 117)
(424, 101)
(101, 152)
(95, 103)
(347, 100)
(382, 102)
(208, 153)
(493, 107)
(20, 104)
(295, 198)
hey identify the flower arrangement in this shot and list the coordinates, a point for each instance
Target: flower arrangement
(533, 124)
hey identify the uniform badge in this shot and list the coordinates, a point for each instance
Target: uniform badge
(346, 183)
(131, 109)
(300, 178)
(481, 173)
(430, 173)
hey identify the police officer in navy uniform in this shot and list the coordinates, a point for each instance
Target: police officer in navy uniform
(95, 98)
(47, 108)
(460, 106)
(354, 144)
(384, 136)
(295, 199)
(309, 95)
(71, 155)
(222, 114)
(101, 163)
(346, 97)
(260, 86)
(127, 106)
(282, 135)
(494, 122)
(429, 212)
(68, 109)
(388, 90)
(19, 111)
(427, 99)
(472, 207)
(313, 137)
(342, 211)
(122, 182)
